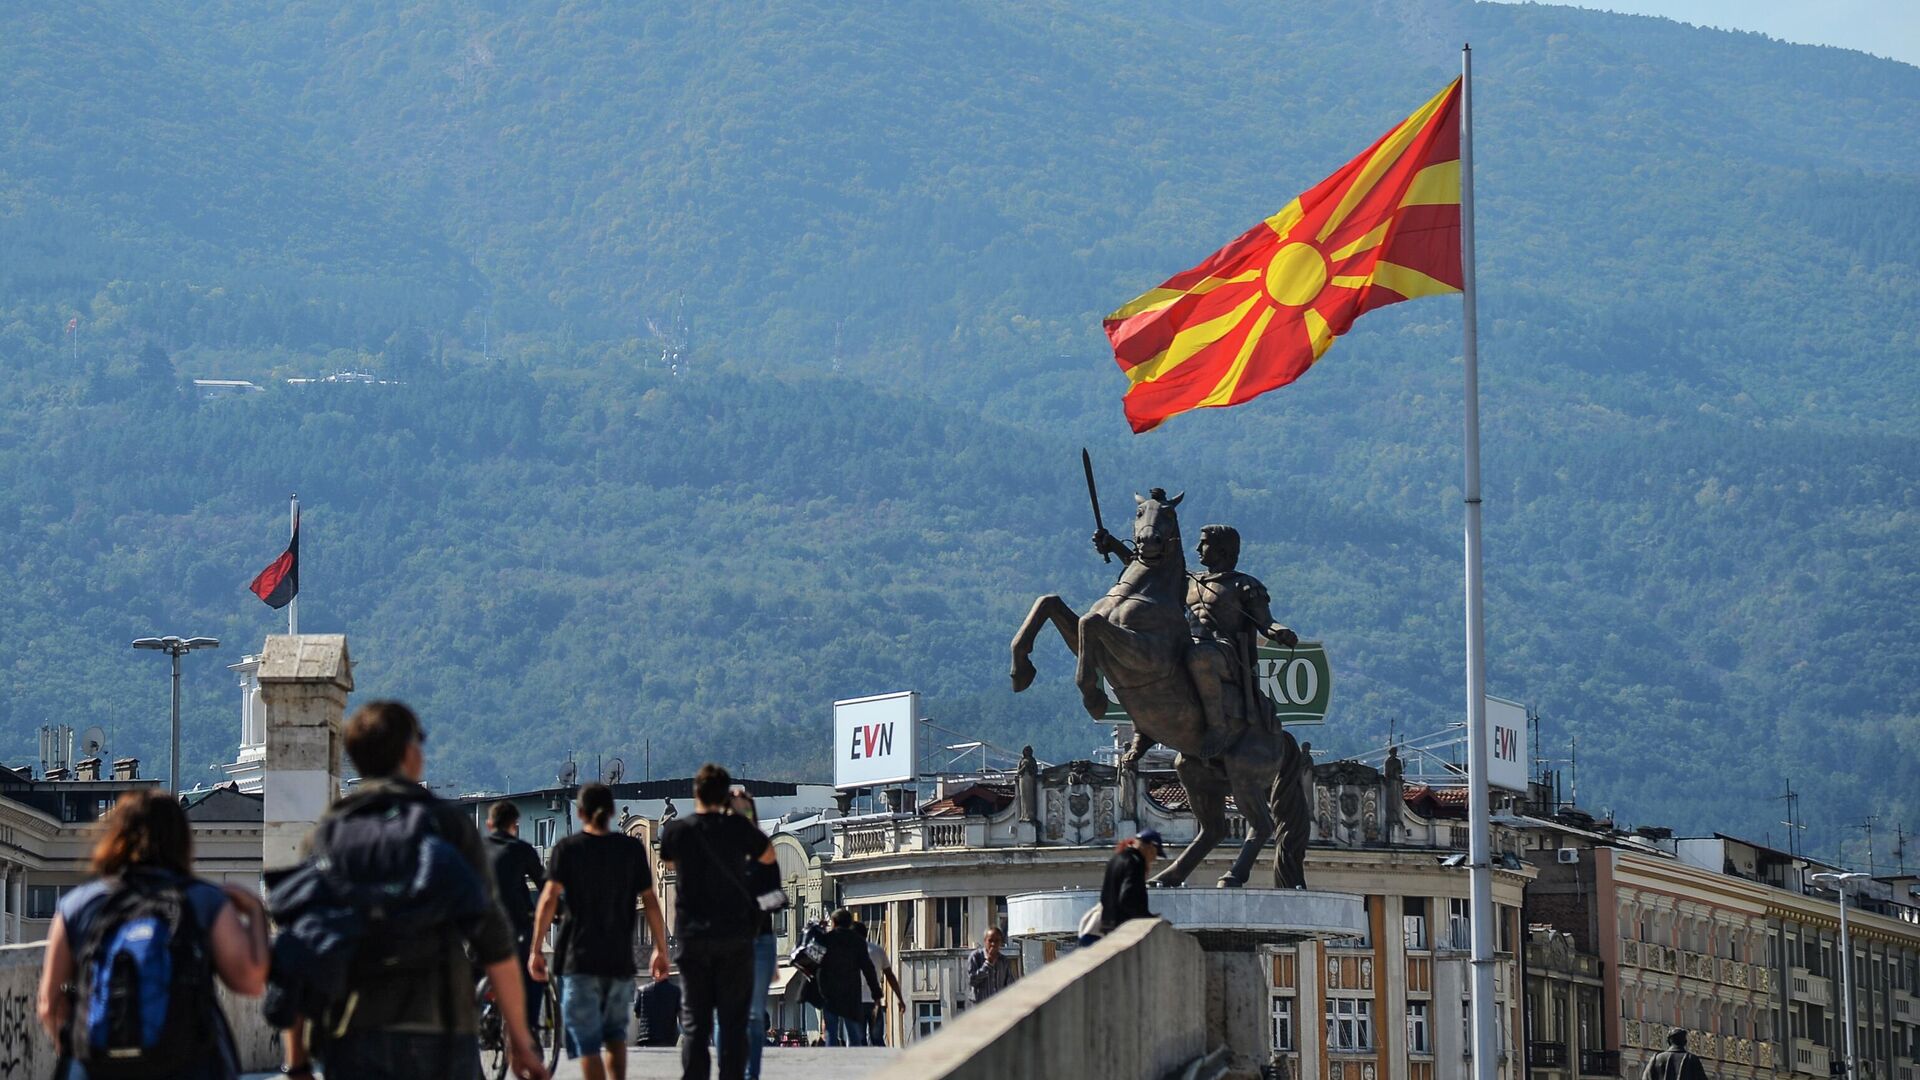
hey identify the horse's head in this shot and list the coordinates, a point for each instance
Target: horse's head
(1156, 527)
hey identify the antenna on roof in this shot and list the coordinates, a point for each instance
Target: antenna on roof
(616, 770)
(1795, 826)
(569, 771)
(1867, 827)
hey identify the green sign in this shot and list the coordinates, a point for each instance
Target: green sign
(1298, 680)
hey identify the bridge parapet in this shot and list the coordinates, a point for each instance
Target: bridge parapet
(1132, 1005)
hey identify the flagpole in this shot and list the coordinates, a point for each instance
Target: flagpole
(1486, 1051)
(293, 526)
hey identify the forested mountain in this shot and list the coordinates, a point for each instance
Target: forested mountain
(884, 238)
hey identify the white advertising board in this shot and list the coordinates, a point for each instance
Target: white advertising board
(874, 739)
(1507, 750)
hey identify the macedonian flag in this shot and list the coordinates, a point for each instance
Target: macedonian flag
(1261, 310)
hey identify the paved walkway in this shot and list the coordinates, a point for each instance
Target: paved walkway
(780, 1063)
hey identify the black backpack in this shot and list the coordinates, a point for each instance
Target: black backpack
(146, 1001)
(380, 857)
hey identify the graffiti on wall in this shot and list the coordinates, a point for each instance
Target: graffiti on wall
(20, 1036)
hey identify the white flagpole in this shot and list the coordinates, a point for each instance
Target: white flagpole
(1486, 1050)
(293, 526)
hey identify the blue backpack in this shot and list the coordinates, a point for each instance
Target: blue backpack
(145, 983)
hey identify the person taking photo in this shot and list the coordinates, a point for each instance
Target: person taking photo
(716, 917)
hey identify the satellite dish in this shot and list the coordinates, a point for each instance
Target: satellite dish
(616, 770)
(569, 773)
(93, 742)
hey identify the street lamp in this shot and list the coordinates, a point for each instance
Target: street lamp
(1846, 952)
(176, 648)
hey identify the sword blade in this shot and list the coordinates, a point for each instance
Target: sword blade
(1093, 496)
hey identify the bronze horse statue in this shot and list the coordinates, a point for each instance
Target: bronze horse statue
(1137, 636)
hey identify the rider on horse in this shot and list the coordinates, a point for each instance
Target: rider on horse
(1227, 612)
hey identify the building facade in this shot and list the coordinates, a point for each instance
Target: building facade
(1388, 1005)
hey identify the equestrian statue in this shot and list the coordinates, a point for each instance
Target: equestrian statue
(1179, 650)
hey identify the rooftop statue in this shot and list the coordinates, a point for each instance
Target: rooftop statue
(1178, 649)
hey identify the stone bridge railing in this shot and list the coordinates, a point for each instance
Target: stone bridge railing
(27, 1053)
(1132, 1005)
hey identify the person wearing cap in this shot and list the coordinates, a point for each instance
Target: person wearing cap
(1123, 895)
(1675, 1062)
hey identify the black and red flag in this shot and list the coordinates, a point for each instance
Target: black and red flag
(279, 583)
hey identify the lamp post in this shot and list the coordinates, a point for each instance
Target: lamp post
(176, 648)
(1846, 954)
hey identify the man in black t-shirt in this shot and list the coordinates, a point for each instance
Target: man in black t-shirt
(605, 877)
(715, 917)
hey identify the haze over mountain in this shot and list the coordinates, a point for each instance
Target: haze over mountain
(887, 238)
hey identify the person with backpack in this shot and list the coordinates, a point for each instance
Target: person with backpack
(716, 917)
(376, 925)
(148, 933)
(516, 867)
(605, 877)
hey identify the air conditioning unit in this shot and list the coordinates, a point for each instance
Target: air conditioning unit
(1567, 855)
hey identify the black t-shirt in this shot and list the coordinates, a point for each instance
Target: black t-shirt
(712, 894)
(603, 876)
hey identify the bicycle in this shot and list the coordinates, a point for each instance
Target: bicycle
(493, 1028)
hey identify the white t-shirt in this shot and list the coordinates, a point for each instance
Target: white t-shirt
(881, 965)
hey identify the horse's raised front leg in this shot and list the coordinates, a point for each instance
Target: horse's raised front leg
(1047, 609)
(1108, 646)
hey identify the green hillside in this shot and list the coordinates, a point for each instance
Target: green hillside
(887, 237)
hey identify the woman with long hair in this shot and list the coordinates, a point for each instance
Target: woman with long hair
(147, 844)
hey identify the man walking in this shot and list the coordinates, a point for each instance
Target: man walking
(989, 968)
(715, 918)
(416, 1020)
(605, 878)
(882, 966)
(1675, 1062)
(847, 982)
(516, 877)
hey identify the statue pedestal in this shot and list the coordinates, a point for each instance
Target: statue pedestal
(1232, 926)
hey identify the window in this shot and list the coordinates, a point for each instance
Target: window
(950, 922)
(999, 904)
(1413, 924)
(1459, 923)
(1417, 1042)
(1283, 1024)
(42, 900)
(543, 830)
(1349, 1023)
(926, 1018)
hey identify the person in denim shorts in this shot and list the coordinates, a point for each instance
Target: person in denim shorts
(607, 880)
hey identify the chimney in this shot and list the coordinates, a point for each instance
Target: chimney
(87, 769)
(55, 773)
(126, 768)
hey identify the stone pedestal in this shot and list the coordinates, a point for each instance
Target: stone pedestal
(304, 681)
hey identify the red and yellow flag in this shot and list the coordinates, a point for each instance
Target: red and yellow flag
(1261, 310)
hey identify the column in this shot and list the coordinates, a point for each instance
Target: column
(304, 682)
(6, 931)
(19, 877)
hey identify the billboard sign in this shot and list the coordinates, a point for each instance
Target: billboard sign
(874, 740)
(1298, 681)
(1507, 749)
